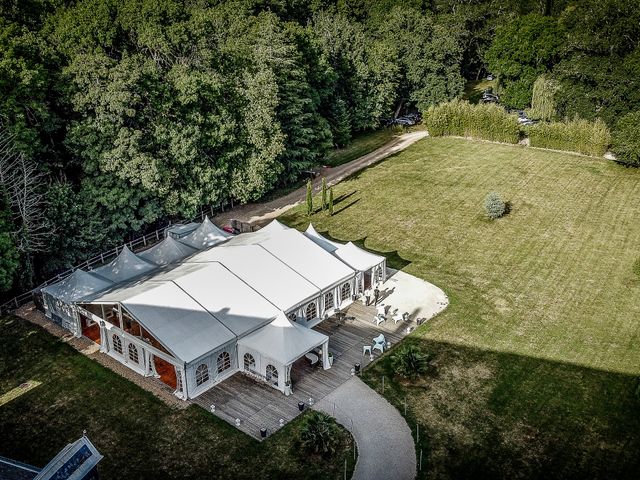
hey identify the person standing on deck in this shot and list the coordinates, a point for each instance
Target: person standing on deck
(376, 295)
(367, 295)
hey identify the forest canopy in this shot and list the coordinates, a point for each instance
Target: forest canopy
(134, 112)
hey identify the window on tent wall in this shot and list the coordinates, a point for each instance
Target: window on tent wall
(202, 374)
(249, 362)
(328, 300)
(311, 311)
(133, 353)
(117, 343)
(272, 375)
(224, 361)
(345, 291)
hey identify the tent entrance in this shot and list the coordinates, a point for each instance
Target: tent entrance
(90, 329)
(166, 371)
(367, 279)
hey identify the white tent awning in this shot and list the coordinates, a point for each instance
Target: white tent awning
(76, 286)
(205, 236)
(166, 252)
(283, 340)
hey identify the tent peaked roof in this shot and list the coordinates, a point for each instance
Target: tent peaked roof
(77, 285)
(274, 226)
(205, 236)
(312, 234)
(357, 257)
(282, 340)
(168, 251)
(124, 267)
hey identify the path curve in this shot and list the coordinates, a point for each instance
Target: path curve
(260, 213)
(385, 445)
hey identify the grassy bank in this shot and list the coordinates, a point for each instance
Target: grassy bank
(538, 352)
(139, 436)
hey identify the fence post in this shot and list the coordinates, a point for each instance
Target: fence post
(16, 300)
(420, 465)
(383, 384)
(417, 432)
(144, 240)
(157, 236)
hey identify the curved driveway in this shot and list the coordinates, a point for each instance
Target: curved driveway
(385, 445)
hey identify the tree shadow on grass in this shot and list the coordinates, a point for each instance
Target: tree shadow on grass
(488, 414)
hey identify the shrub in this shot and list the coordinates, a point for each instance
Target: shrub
(582, 136)
(410, 361)
(324, 193)
(626, 139)
(320, 434)
(330, 207)
(309, 198)
(482, 121)
(494, 205)
(543, 100)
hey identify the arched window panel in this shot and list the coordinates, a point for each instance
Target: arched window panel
(117, 343)
(345, 291)
(249, 362)
(271, 375)
(133, 353)
(202, 374)
(311, 311)
(328, 300)
(223, 362)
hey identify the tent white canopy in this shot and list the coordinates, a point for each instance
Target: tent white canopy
(307, 258)
(166, 252)
(283, 340)
(263, 272)
(205, 236)
(124, 267)
(77, 286)
(354, 256)
(176, 320)
(240, 308)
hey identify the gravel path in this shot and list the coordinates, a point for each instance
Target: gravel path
(261, 213)
(385, 445)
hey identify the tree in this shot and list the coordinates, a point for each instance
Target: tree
(324, 193)
(626, 139)
(309, 198)
(494, 205)
(543, 99)
(522, 50)
(319, 434)
(330, 208)
(9, 256)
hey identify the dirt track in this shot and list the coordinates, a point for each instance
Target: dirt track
(260, 213)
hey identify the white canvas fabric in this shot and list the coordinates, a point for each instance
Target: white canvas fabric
(283, 340)
(205, 236)
(325, 243)
(125, 266)
(263, 272)
(177, 321)
(354, 256)
(307, 258)
(77, 286)
(240, 308)
(167, 251)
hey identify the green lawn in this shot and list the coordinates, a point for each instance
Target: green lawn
(139, 435)
(539, 351)
(360, 145)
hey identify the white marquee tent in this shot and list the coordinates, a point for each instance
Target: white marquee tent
(167, 251)
(272, 350)
(59, 299)
(125, 266)
(205, 236)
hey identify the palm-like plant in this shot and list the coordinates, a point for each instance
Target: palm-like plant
(410, 361)
(319, 434)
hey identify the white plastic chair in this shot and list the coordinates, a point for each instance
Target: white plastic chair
(379, 346)
(379, 319)
(379, 343)
(366, 349)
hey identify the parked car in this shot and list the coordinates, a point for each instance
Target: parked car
(490, 77)
(490, 98)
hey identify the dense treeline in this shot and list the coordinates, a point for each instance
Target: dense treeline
(137, 111)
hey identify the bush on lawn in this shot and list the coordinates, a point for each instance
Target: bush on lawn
(636, 268)
(494, 205)
(409, 361)
(320, 434)
(482, 121)
(582, 136)
(626, 139)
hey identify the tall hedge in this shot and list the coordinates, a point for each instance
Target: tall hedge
(482, 121)
(582, 136)
(626, 140)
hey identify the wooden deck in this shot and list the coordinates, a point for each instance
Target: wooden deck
(259, 406)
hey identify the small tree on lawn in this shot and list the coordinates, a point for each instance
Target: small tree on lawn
(309, 198)
(331, 201)
(409, 361)
(636, 268)
(324, 193)
(494, 206)
(320, 434)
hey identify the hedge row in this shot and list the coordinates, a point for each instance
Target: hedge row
(582, 136)
(482, 121)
